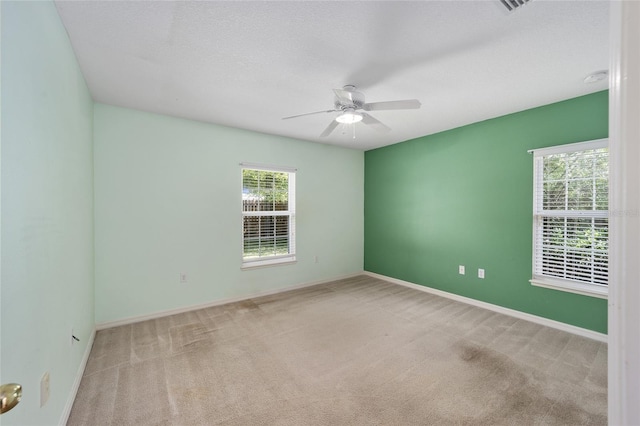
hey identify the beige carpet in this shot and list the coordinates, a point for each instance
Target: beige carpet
(352, 352)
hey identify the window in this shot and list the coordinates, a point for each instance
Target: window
(268, 215)
(571, 225)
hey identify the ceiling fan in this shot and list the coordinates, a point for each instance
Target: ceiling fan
(349, 103)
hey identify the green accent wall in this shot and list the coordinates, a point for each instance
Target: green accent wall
(464, 197)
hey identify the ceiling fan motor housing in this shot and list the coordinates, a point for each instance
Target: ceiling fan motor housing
(355, 101)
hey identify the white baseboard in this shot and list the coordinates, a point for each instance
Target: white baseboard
(160, 314)
(500, 309)
(76, 383)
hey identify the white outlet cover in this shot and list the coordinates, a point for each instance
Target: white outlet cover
(480, 273)
(461, 269)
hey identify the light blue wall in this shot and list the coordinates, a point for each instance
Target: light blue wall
(168, 200)
(47, 210)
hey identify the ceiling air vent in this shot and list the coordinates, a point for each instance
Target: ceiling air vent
(513, 4)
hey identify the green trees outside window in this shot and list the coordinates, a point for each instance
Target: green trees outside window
(572, 225)
(266, 213)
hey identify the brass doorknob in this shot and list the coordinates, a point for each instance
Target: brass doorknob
(10, 395)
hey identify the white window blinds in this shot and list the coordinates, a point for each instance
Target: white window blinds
(571, 225)
(268, 215)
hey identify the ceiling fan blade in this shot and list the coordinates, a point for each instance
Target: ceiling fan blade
(381, 106)
(370, 121)
(309, 113)
(344, 96)
(330, 128)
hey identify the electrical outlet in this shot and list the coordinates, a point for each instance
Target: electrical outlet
(44, 389)
(183, 277)
(461, 269)
(480, 273)
(315, 259)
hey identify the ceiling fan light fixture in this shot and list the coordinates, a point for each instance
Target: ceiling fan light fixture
(349, 117)
(348, 101)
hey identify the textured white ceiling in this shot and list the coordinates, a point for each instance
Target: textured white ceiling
(248, 64)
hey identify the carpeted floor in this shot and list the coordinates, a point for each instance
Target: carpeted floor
(358, 351)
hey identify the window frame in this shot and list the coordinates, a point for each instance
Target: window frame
(262, 261)
(557, 283)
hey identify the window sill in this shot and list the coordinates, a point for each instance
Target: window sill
(591, 290)
(261, 263)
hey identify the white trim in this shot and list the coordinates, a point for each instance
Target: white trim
(160, 314)
(268, 168)
(499, 309)
(624, 205)
(616, 323)
(76, 383)
(570, 147)
(593, 290)
(587, 214)
(260, 262)
(265, 213)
